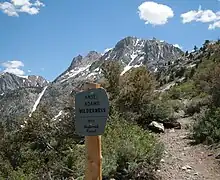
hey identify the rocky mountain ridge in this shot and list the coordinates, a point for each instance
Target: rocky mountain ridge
(130, 52)
(10, 82)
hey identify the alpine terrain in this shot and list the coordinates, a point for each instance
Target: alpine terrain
(163, 103)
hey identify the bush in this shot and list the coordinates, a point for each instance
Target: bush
(185, 90)
(195, 105)
(192, 108)
(155, 111)
(207, 127)
(126, 146)
(176, 105)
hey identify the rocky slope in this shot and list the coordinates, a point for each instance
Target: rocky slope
(18, 95)
(17, 104)
(10, 82)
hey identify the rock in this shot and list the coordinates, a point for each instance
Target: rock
(162, 160)
(184, 168)
(156, 127)
(169, 124)
(196, 173)
(183, 137)
(217, 157)
(187, 167)
(165, 152)
(188, 170)
(172, 130)
(186, 148)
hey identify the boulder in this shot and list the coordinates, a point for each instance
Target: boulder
(172, 123)
(156, 127)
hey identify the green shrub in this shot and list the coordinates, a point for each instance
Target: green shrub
(155, 111)
(207, 127)
(192, 108)
(126, 146)
(195, 105)
(185, 90)
(176, 105)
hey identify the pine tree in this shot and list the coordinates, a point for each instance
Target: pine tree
(195, 48)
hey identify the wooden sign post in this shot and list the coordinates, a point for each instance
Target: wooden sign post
(93, 150)
(92, 109)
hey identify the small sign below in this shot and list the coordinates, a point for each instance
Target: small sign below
(92, 108)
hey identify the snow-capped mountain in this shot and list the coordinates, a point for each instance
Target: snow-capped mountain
(130, 52)
(79, 66)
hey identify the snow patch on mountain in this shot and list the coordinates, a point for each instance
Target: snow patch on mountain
(136, 42)
(25, 77)
(37, 101)
(191, 66)
(74, 72)
(58, 115)
(129, 66)
(107, 49)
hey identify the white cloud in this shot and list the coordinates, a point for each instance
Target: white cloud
(154, 13)
(30, 10)
(204, 16)
(15, 7)
(178, 46)
(214, 25)
(15, 71)
(21, 2)
(13, 67)
(12, 64)
(29, 71)
(38, 4)
(8, 9)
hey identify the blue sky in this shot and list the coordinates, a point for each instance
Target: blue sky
(42, 37)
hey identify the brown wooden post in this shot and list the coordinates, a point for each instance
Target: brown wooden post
(93, 149)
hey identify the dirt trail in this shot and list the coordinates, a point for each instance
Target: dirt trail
(183, 161)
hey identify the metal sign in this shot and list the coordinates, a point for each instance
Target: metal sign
(92, 108)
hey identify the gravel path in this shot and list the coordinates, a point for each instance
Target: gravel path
(183, 161)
